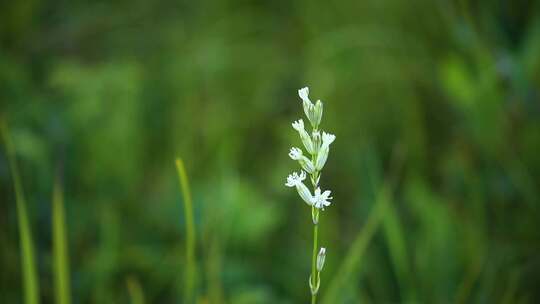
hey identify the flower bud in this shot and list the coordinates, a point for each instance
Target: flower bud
(304, 136)
(322, 156)
(320, 259)
(309, 108)
(307, 165)
(304, 193)
(303, 93)
(317, 113)
(317, 141)
(306, 140)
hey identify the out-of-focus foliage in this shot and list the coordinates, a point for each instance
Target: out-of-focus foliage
(436, 109)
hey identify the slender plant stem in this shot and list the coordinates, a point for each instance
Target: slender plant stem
(28, 260)
(135, 290)
(60, 246)
(315, 218)
(314, 279)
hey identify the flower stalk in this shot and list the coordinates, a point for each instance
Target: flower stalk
(318, 146)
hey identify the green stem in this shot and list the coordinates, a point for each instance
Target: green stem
(28, 260)
(314, 279)
(315, 217)
(191, 271)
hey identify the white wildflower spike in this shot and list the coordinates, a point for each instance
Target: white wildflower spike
(320, 259)
(321, 200)
(295, 180)
(304, 136)
(322, 154)
(296, 154)
(317, 145)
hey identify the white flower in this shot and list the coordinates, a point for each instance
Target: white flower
(296, 154)
(303, 93)
(295, 180)
(298, 125)
(309, 108)
(304, 136)
(321, 200)
(322, 155)
(320, 259)
(328, 138)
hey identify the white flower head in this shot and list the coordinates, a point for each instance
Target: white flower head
(313, 112)
(304, 136)
(307, 165)
(303, 93)
(328, 138)
(322, 154)
(321, 200)
(294, 179)
(298, 125)
(295, 153)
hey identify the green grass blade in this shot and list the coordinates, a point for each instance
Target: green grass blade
(190, 274)
(60, 250)
(395, 239)
(351, 264)
(214, 266)
(135, 291)
(28, 261)
(509, 295)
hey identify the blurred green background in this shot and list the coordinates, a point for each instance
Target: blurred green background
(435, 171)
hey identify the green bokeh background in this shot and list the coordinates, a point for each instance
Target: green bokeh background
(435, 106)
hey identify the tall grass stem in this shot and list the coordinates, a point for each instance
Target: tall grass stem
(351, 263)
(28, 261)
(60, 247)
(190, 274)
(135, 291)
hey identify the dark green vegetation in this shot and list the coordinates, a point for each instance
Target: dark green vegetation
(435, 171)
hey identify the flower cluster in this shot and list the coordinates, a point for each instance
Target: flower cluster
(318, 147)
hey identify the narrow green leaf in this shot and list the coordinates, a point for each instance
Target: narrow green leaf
(135, 291)
(190, 274)
(351, 264)
(28, 262)
(60, 250)
(398, 253)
